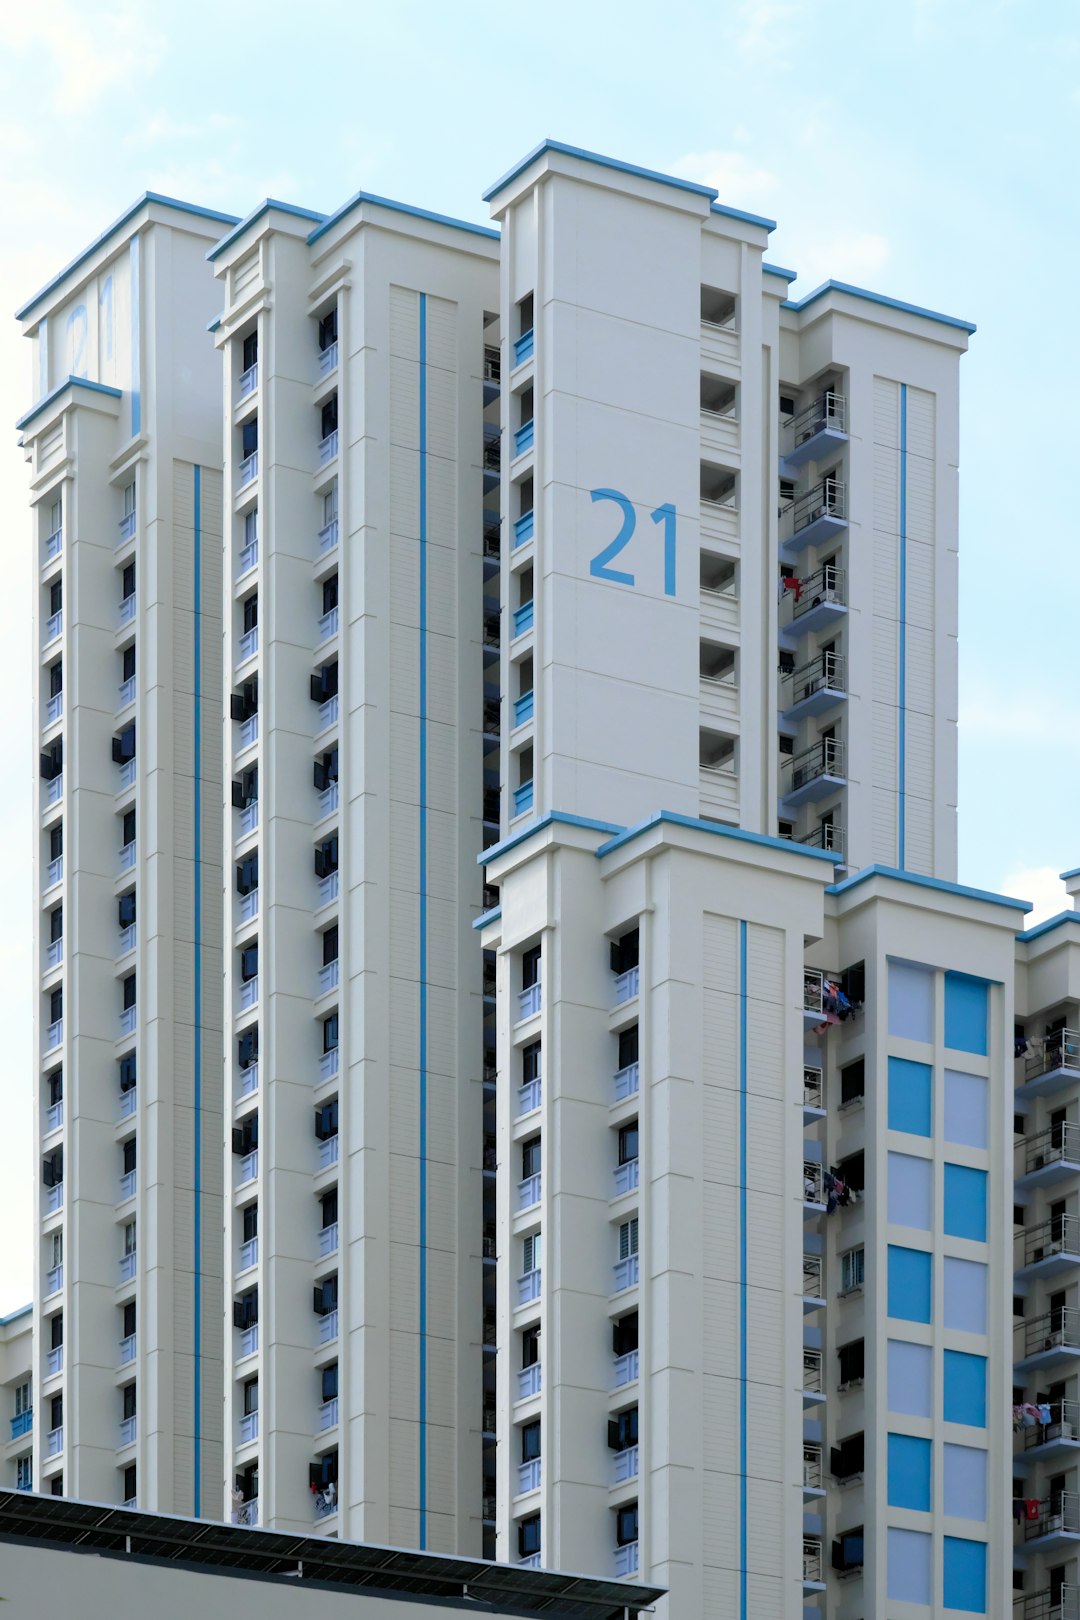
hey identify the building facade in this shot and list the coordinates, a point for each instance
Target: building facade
(642, 1197)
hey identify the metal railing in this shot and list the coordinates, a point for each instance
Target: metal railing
(1061, 1050)
(812, 1276)
(627, 1081)
(824, 758)
(1061, 1142)
(826, 672)
(1064, 1425)
(1058, 1328)
(829, 410)
(811, 1371)
(627, 985)
(328, 536)
(492, 364)
(247, 1513)
(529, 1097)
(811, 1560)
(249, 381)
(529, 1381)
(1047, 1605)
(529, 1191)
(626, 1368)
(328, 447)
(1059, 1235)
(248, 469)
(328, 358)
(1057, 1513)
(826, 499)
(813, 1183)
(328, 1414)
(827, 584)
(528, 1290)
(811, 1468)
(827, 836)
(812, 1087)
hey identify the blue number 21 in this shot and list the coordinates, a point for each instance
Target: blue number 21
(665, 514)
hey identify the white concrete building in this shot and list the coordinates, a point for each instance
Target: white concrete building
(124, 448)
(17, 1382)
(636, 1199)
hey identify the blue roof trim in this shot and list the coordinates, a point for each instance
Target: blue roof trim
(329, 220)
(23, 1310)
(550, 145)
(1064, 876)
(117, 225)
(959, 889)
(257, 213)
(54, 394)
(879, 298)
(1051, 922)
(674, 819)
(488, 917)
(740, 213)
(554, 817)
(778, 270)
(215, 324)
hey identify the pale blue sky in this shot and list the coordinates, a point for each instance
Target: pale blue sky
(926, 149)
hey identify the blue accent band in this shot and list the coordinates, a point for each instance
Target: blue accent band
(268, 203)
(423, 921)
(54, 394)
(744, 1273)
(778, 270)
(136, 363)
(878, 298)
(196, 933)
(901, 682)
(496, 912)
(961, 890)
(400, 208)
(674, 819)
(1060, 921)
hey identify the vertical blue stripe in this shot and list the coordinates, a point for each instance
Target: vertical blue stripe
(901, 764)
(423, 921)
(136, 358)
(197, 951)
(743, 1275)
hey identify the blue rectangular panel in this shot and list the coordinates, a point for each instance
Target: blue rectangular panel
(909, 1472)
(911, 1184)
(910, 1104)
(965, 1389)
(965, 1202)
(910, 1377)
(909, 1284)
(966, 1010)
(964, 1486)
(966, 1109)
(909, 1566)
(965, 1295)
(911, 1001)
(965, 1575)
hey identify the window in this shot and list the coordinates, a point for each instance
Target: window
(624, 1334)
(251, 526)
(55, 1083)
(853, 1082)
(326, 1121)
(52, 1169)
(330, 1033)
(530, 967)
(628, 1142)
(852, 1359)
(247, 1048)
(250, 607)
(56, 1331)
(56, 924)
(326, 1296)
(525, 315)
(127, 663)
(530, 1062)
(330, 505)
(24, 1473)
(847, 1550)
(852, 1171)
(251, 1396)
(628, 1046)
(529, 1536)
(628, 1238)
(127, 1395)
(330, 594)
(127, 1071)
(530, 1249)
(846, 1459)
(249, 1216)
(56, 678)
(326, 857)
(245, 1136)
(129, 499)
(127, 828)
(128, 1319)
(250, 351)
(530, 1347)
(249, 963)
(247, 874)
(622, 1431)
(246, 1309)
(55, 1249)
(328, 1207)
(56, 1005)
(24, 1398)
(530, 1441)
(324, 682)
(625, 951)
(56, 841)
(123, 746)
(330, 946)
(56, 596)
(249, 437)
(328, 417)
(125, 909)
(130, 1237)
(128, 989)
(130, 1482)
(127, 1151)
(626, 1524)
(852, 1269)
(328, 1383)
(327, 329)
(1018, 1310)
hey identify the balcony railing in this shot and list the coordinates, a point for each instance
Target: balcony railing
(626, 1081)
(813, 1183)
(247, 907)
(827, 500)
(128, 1101)
(247, 733)
(54, 790)
(523, 798)
(524, 708)
(328, 536)
(529, 1001)
(127, 1431)
(625, 1273)
(54, 1116)
(626, 1369)
(54, 1442)
(54, 1034)
(246, 558)
(127, 1349)
(1048, 1605)
(127, 526)
(54, 1199)
(825, 673)
(54, 1281)
(126, 857)
(54, 708)
(125, 774)
(827, 412)
(528, 1476)
(329, 1063)
(248, 469)
(1058, 1514)
(523, 438)
(824, 759)
(327, 1415)
(328, 1239)
(127, 1186)
(1059, 1329)
(328, 625)
(328, 801)
(626, 1560)
(54, 624)
(812, 1276)
(328, 359)
(248, 1080)
(328, 1327)
(54, 544)
(328, 715)
(247, 1168)
(328, 448)
(325, 1502)
(524, 528)
(627, 985)
(523, 618)
(126, 940)
(128, 1020)
(529, 1381)
(249, 1254)
(1061, 1050)
(54, 954)
(523, 347)
(127, 1264)
(125, 692)
(249, 381)
(54, 872)
(54, 1361)
(22, 1424)
(328, 888)
(248, 819)
(811, 1468)
(1060, 1144)
(812, 1371)
(812, 1563)
(528, 1287)
(247, 645)
(624, 1466)
(528, 1097)
(626, 1177)
(529, 1192)
(246, 1513)
(249, 993)
(812, 1087)
(329, 1152)
(1064, 1425)
(827, 586)
(249, 1341)
(329, 976)
(127, 608)
(249, 1428)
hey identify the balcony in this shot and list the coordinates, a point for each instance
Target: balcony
(126, 858)
(719, 428)
(829, 835)
(127, 1266)
(328, 536)
(813, 1188)
(54, 954)
(719, 786)
(529, 1381)
(813, 1384)
(529, 1192)
(54, 708)
(126, 940)
(247, 820)
(625, 1274)
(249, 1254)
(54, 1361)
(529, 1001)
(1050, 1157)
(814, 687)
(1051, 1064)
(524, 528)
(626, 1560)
(247, 645)
(719, 696)
(248, 470)
(125, 775)
(54, 1442)
(247, 907)
(1062, 1604)
(818, 431)
(328, 889)
(327, 801)
(813, 1094)
(524, 438)
(813, 1566)
(813, 1474)
(128, 1021)
(1058, 1524)
(528, 1287)
(246, 558)
(719, 521)
(627, 985)
(327, 1415)
(247, 1168)
(128, 1101)
(815, 773)
(329, 1063)
(328, 359)
(329, 1152)
(248, 1080)
(249, 993)
(246, 1513)
(720, 609)
(528, 1476)
(1050, 1249)
(1049, 1341)
(127, 1431)
(249, 381)
(54, 1199)
(127, 1349)
(54, 1281)
(628, 1079)
(328, 1327)
(523, 618)
(626, 1369)
(54, 1117)
(54, 624)
(328, 715)
(523, 799)
(328, 448)
(248, 1428)
(127, 609)
(127, 527)
(624, 1466)
(328, 626)
(328, 1240)
(816, 517)
(125, 693)
(54, 872)
(813, 1285)
(247, 733)
(1059, 1438)
(127, 1186)
(54, 791)
(816, 602)
(329, 977)
(249, 1341)
(22, 1424)
(626, 1178)
(54, 1034)
(524, 347)
(528, 1098)
(325, 1502)
(54, 544)
(523, 708)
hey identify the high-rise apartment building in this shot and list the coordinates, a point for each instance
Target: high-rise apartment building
(603, 1143)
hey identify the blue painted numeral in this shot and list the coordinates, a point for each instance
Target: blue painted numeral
(666, 515)
(599, 565)
(76, 333)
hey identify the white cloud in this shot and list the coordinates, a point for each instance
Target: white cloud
(161, 128)
(1042, 886)
(765, 32)
(87, 58)
(739, 181)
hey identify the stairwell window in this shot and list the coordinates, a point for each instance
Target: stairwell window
(852, 1359)
(530, 1250)
(852, 1270)
(628, 1238)
(529, 1536)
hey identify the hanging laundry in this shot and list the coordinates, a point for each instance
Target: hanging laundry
(1018, 1509)
(1044, 1412)
(1031, 1508)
